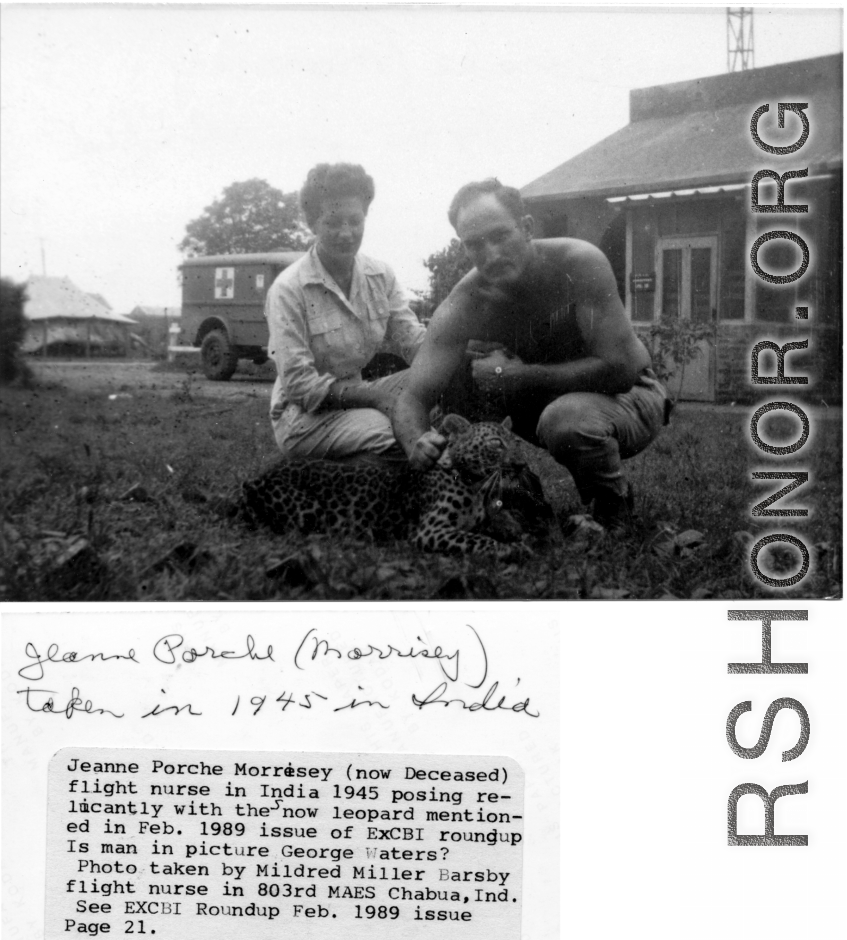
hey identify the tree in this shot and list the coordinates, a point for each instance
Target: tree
(447, 267)
(249, 216)
(12, 330)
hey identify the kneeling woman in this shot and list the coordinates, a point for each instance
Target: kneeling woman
(328, 314)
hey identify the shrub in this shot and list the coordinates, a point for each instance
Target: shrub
(446, 268)
(12, 329)
(676, 344)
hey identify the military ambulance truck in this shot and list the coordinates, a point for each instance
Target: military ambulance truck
(223, 301)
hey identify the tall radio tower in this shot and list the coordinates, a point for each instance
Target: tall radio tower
(739, 39)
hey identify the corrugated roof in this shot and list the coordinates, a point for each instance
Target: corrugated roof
(52, 297)
(691, 134)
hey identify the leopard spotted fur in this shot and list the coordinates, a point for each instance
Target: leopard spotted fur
(480, 499)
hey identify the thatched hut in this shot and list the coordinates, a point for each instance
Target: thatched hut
(63, 319)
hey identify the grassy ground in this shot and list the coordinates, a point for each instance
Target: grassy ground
(106, 500)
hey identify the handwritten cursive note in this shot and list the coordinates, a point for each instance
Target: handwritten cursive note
(452, 675)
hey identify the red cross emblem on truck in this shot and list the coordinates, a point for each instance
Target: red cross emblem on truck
(224, 283)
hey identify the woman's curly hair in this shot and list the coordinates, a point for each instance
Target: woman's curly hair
(334, 181)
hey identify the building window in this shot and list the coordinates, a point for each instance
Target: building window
(687, 278)
(671, 283)
(775, 303)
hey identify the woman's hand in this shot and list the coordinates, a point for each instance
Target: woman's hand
(383, 400)
(361, 395)
(427, 450)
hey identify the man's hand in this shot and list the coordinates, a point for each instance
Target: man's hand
(427, 450)
(497, 372)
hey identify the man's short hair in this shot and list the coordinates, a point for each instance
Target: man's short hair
(328, 181)
(508, 197)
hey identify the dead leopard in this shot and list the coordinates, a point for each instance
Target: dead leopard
(486, 501)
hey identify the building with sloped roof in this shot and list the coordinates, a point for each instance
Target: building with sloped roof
(100, 299)
(668, 198)
(62, 318)
(155, 328)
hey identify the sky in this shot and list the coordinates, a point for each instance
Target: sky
(119, 125)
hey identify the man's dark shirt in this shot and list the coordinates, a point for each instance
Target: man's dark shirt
(537, 323)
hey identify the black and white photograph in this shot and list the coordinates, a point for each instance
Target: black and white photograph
(411, 303)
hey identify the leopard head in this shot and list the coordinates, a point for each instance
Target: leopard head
(488, 456)
(477, 450)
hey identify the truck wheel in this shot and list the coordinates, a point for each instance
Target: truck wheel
(218, 357)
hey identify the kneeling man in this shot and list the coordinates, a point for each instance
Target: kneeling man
(566, 366)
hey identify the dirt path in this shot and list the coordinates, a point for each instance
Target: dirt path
(127, 377)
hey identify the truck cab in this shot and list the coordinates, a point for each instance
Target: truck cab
(223, 304)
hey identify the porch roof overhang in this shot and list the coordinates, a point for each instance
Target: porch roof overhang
(708, 145)
(669, 193)
(701, 191)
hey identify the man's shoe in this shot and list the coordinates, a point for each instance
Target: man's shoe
(615, 512)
